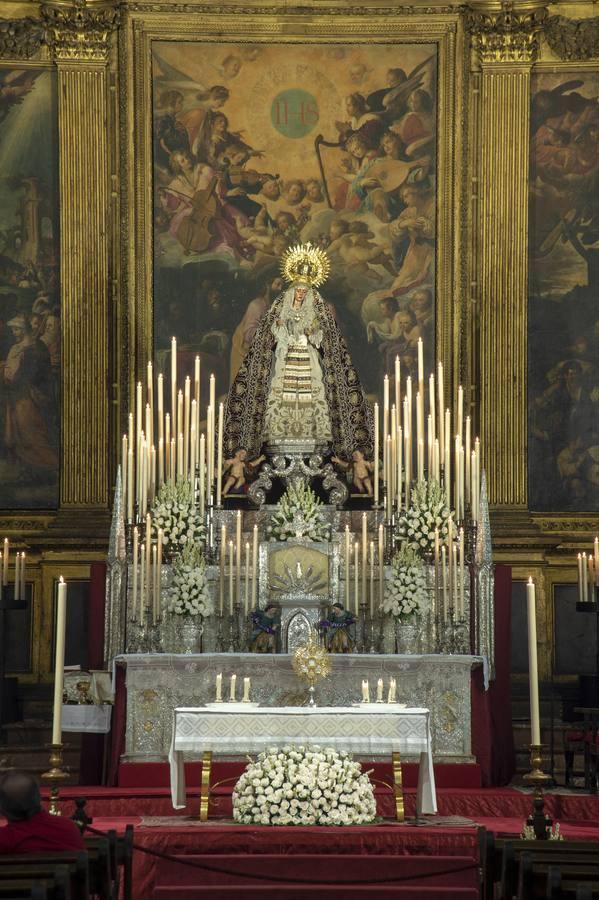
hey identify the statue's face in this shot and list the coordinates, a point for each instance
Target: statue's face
(300, 293)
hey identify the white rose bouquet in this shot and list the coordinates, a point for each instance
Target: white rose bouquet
(188, 594)
(175, 512)
(300, 515)
(407, 593)
(428, 510)
(303, 786)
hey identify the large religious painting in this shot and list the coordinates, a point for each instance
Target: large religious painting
(258, 147)
(29, 290)
(563, 357)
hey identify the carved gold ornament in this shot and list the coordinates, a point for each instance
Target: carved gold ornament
(305, 263)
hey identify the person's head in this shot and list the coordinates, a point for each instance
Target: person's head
(37, 324)
(580, 347)
(295, 191)
(300, 292)
(231, 65)
(276, 286)
(220, 123)
(422, 299)
(396, 77)
(180, 161)
(356, 146)
(337, 228)
(271, 189)
(420, 101)
(18, 326)
(314, 190)
(214, 97)
(391, 144)
(271, 610)
(337, 609)
(19, 797)
(355, 104)
(172, 101)
(357, 456)
(388, 307)
(214, 297)
(285, 220)
(236, 154)
(242, 455)
(406, 319)
(358, 72)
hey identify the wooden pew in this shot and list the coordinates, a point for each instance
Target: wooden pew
(56, 886)
(98, 859)
(78, 871)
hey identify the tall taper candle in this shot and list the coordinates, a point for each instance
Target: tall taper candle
(381, 566)
(174, 423)
(238, 559)
(596, 557)
(372, 579)
(124, 471)
(376, 455)
(150, 383)
(222, 561)
(186, 423)
(580, 574)
(254, 567)
(160, 400)
(23, 580)
(356, 576)
(365, 554)
(231, 578)
(61, 624)
(441, 419)
(247, 578)
(347, 563)
(397, 383)
(5, 555)
(134, 573)
(219, 455)
(159, 586)
(17, 585)
(202, 466)
(533, 671)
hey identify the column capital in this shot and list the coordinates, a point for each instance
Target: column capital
(505, 31)
(80, 30)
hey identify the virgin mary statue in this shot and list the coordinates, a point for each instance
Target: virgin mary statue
(297, 389)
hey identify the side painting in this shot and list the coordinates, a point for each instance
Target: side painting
(29, 290)
(258, 147)
(563, 337)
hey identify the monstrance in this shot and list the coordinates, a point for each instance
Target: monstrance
(311, 662)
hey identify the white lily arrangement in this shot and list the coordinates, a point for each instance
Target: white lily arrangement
(303, 786)
(406, 594)
(188, 594)
(175, 512)
(428, 510)
(300, 515)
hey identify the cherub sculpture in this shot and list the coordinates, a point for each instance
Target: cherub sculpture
(360, 471)
(236, 468)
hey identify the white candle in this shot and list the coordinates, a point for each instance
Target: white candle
(174, 383)
(447, 453)
(376, 455)
(160, 400)
(138, 411)
(397, 382)
(440, 389)
(379, 691)
(159, 576)
(219, 455)
(134, 573)
(223, 558)
(372, 578)
(233, 686)
(193, 444)
(231, 578)
(186, 423)
(347, 562)
(462, 573)
(392, 689)
(456, 602)
(467, 452)
(154, 584)
(247, 578)
(585, 584)
(364, 555)
(160, 461)
(17, 586)
(5, 556)
(142, 581)
(124, 470)
(431, 405)
(356, 574)
(219, 688)
(420, 365)
(381, 566)
(254, 566)
(436, 466)
(150, 383)
(238, 560)
(23, 575)
(460, 415)
(420, 460)
(596, 558)
(246, 690)
(444, 581)
(533, 672)
(61, 625)
(399, 471)
(365, 691)
(202, 474)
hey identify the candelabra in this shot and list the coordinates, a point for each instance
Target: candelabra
(540, 823)
(362, 643)
(55, 775)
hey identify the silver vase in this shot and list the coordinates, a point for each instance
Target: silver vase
(184, 635)
(407, 637)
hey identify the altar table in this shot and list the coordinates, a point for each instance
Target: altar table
(368, 731)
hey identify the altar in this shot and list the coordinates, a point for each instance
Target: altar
(158, 683)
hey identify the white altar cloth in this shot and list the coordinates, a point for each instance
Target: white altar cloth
(368, 733)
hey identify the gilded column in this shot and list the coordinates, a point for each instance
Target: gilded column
(504, 43)
(79, 35)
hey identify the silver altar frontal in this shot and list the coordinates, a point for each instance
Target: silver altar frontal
(157, 683)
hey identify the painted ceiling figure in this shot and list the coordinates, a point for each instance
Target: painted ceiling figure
(297, 383)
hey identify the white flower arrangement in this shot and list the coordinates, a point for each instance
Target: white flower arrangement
(175, 512)
(407, 593)
(303, 786)
(300, 515)
(188, 594)
(428, 510)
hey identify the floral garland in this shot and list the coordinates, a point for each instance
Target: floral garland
(407, 592)
(175, 512)
(303, 786)
(300, 515)
(428, 510)
(188, 594)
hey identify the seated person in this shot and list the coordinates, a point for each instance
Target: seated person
(30, 829)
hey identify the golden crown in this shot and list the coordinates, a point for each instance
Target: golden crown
(305, 263)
